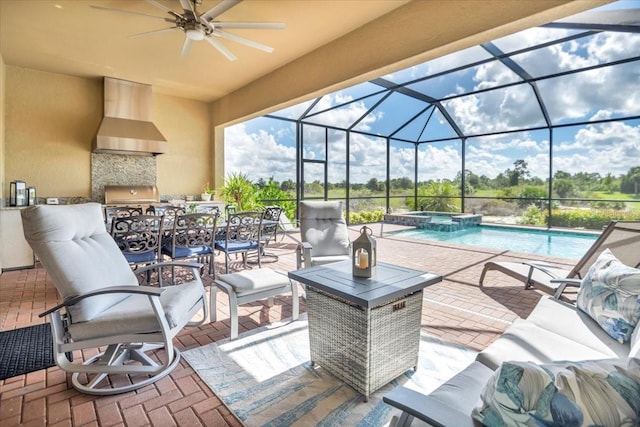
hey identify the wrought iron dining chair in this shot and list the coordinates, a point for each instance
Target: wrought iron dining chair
(192, 236)
(270, 227)
(139, 238)
(241, 236)
(111, 212)
(168, 212)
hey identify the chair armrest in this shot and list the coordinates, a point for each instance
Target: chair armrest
(544, 267)
(563, 283)
(304, 255)
(144, 290)
(161, 265)
(426, 408)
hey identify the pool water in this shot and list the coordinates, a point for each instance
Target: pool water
(543, 242)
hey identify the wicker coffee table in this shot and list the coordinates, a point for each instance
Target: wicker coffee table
(364, 331)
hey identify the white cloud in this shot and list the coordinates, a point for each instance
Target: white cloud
(438, 162)
(341, 117)
(594, 95)
(258, 155)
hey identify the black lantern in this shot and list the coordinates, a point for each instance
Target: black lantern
(18, 193)
(364, 256)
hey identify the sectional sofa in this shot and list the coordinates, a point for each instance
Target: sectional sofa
(559, 350)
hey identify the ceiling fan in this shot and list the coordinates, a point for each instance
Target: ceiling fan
(203, 26)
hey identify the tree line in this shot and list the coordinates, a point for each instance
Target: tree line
(565, 184)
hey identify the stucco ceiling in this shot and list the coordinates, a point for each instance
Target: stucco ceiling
(70, 37)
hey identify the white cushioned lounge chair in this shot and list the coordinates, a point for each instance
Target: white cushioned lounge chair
(621, 237)
(103, 304)
(324, 234)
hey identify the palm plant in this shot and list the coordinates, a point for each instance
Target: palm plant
(439, 197)
(239, 190)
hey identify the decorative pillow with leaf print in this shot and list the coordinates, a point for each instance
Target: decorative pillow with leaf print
(610, 294)
(586, 393)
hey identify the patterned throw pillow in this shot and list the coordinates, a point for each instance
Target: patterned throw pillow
(610, 294)
(585, 393)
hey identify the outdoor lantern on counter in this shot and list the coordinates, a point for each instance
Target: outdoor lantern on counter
(18, 194)
(31, 191)
(364, 253)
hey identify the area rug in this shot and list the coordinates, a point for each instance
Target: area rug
(25, 350)
(266, 379)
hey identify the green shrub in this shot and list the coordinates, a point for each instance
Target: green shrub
(365, 217)
(590, 219)
(532, 195)
(533, 216)
(437, 197)
(270, 193)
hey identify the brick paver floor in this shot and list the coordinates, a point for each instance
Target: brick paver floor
(456, 309)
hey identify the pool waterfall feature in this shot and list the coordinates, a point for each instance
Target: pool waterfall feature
(437, 221)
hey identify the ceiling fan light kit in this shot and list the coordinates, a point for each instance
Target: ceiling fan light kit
(197, 27)
(194, 34)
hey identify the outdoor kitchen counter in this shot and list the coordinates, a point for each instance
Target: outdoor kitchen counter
(15, 252)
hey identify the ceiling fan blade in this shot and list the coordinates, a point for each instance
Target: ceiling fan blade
(186, 46)
(165, 8)
(243, 40)
(250, 25)
(223, 50)
(219, 9)
(187, 6)
(128, 12)
(133, 36)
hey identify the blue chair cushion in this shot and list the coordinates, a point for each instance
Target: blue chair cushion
(236, 246)
(140, 257)
(187, 252)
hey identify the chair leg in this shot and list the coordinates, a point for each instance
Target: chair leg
(233, 311)
(484, 272)
(213, 303)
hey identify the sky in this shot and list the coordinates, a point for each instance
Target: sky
(264, 147)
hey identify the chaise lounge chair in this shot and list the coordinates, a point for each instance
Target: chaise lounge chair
(621, 237)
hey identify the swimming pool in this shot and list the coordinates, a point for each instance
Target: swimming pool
(543, 242)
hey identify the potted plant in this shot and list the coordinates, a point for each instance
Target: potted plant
(207, 193)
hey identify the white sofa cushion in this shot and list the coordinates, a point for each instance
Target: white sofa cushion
(526, 341)
(566, 320)
(603, 392)
(610, 293)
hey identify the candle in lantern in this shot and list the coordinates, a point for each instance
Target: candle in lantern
(363, 260)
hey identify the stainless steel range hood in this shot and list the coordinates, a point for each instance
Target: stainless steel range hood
(126, 127)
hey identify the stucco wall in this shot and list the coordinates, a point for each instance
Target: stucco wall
(187, 167)
(2, 109)
(51, 120)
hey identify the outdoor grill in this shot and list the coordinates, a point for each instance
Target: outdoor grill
(131, 195)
